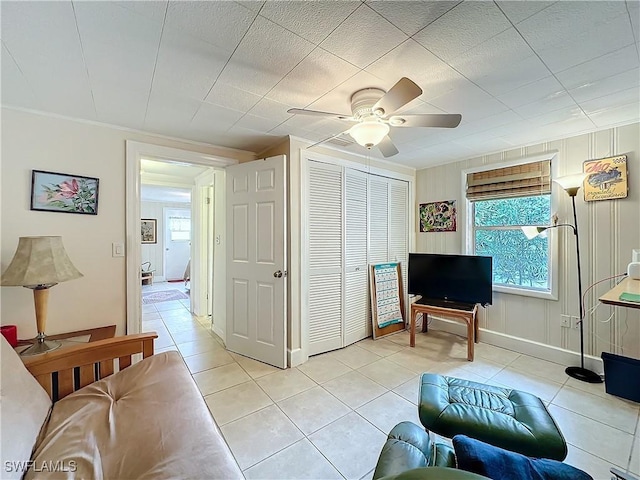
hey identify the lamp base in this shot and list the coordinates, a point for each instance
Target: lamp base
(40, 347)
(583, 374)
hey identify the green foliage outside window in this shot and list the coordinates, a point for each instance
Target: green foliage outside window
(516, 260)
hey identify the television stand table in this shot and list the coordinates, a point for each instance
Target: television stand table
(466, 312)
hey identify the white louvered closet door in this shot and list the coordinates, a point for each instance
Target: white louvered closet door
(325, 243)
(399, 228)
(378, 204)
(356, 304)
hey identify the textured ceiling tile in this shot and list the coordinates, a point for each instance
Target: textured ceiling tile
(215, 117)
(267, 108)
(502, 63)
(253, 122)
(412, 16)
(462, 28)
(616, 116)
(613, 101)
(120, 46)
(556, 101)
(120, 106)
(232, 97)
(153, 9)
(607, 86)
(43, 41)
(634, 16)
(517, 10)
(607, 65)
(558, 117)
(569, 33)
(187, 65)
(222, 24)
(547, 88)
(318, 73)
(169, 110)
(265, 55)
(15, 87)
(363, 37)
(470, 101)
(412, 60)
(313, 20)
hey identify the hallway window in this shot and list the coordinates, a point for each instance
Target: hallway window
(180, 229)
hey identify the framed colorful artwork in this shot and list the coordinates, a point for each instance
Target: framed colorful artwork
(606, 179)
(438, 216)
(64, 192)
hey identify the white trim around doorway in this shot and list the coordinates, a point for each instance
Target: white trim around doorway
(135, 151)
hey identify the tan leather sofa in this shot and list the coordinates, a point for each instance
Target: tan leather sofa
(148, 420)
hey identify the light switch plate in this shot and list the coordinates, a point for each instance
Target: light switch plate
(117, 249)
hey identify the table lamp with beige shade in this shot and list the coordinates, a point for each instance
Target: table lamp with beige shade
(40, 263)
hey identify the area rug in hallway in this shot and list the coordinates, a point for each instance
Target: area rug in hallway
(163, 296)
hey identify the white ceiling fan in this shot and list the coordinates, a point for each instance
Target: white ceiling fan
(373, 109)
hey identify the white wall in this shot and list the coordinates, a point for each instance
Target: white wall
(609, 230)
(32, 141)
(154, 252)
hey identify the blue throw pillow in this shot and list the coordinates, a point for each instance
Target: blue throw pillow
(499, 464)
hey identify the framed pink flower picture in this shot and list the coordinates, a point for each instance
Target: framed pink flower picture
(61, 192)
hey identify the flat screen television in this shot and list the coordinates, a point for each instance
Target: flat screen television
(451, 278)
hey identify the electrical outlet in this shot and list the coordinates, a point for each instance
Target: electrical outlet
(565, 321)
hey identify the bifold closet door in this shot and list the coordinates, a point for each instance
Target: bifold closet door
(378, 215)
(325, 257)
(399, 228)
(356, 304)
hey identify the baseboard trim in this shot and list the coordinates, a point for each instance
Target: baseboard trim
(219, 332)
(295, 357)
(521, 345)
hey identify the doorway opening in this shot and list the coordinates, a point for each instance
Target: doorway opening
(178, 193)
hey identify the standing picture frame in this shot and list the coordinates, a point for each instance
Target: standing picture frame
(64, 192)
(149, 230)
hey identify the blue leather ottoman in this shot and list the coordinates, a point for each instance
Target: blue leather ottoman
(503, 417)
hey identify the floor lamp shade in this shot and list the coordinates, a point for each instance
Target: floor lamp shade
(40, 263)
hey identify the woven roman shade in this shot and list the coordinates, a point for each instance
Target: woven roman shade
(523, 180)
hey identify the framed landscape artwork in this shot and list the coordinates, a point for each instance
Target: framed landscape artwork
(64, 192)
(149, 230)
(438, 216)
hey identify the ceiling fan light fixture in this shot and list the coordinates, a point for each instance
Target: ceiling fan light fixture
(369, 134)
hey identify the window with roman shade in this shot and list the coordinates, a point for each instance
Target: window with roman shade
(502, 200)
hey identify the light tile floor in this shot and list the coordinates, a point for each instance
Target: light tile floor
(329, 417)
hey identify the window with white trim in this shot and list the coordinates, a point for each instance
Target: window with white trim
(502, 200)
(180, 229)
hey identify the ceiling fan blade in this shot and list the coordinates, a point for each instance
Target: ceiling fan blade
(387, 148)
(399, 95)
(302, 111)
(442, 120)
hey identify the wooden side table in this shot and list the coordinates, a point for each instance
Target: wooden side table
(76, 337)
(466, 313)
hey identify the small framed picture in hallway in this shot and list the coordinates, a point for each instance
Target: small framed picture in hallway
(149, 230)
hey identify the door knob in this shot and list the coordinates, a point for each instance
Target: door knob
(278, 274)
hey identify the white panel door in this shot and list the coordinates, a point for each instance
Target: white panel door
(177, 242)
(324, 233)
(356, 297)
(256, 260)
